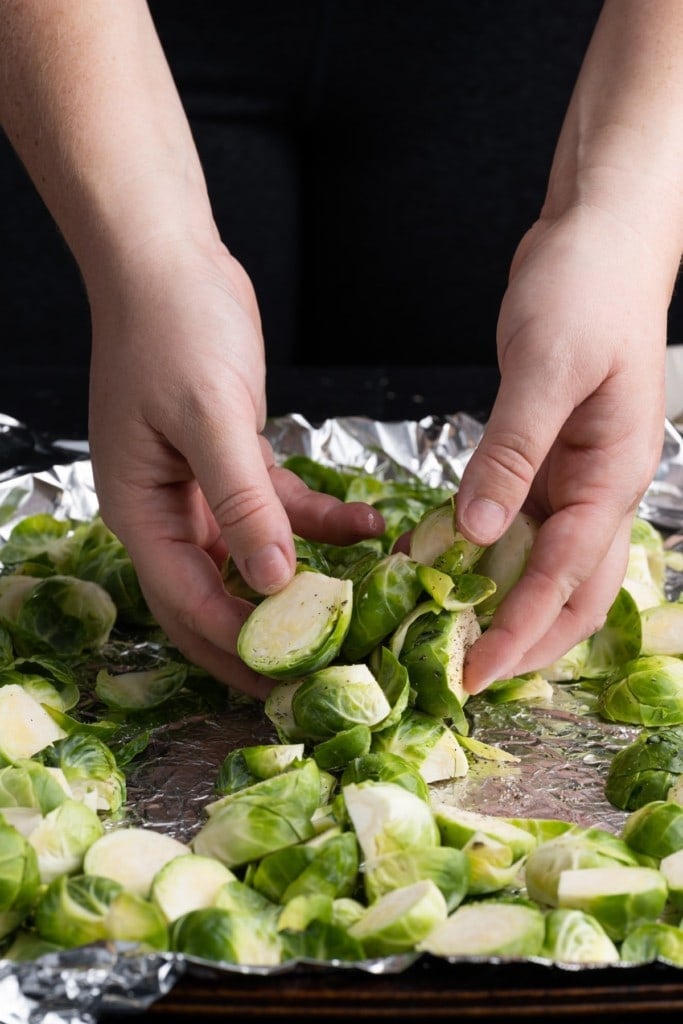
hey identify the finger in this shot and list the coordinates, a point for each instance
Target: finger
(233, 469)
(546, 613)
(184, 590)
(323, 517)
(517, 438)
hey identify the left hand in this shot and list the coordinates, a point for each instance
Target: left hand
(575, 434)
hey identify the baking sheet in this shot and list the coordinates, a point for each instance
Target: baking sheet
(563, 750)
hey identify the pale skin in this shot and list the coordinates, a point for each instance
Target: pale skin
(178, 366)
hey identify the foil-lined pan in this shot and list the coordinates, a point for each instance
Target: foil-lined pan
(561, 751)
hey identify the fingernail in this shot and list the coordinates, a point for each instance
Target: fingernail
(485, 519)
(268, 569)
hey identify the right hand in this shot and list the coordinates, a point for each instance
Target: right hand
(182, 472)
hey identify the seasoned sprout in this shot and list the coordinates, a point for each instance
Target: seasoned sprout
(298, 630)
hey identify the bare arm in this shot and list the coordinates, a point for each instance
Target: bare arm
(178, 369)
(576, 431)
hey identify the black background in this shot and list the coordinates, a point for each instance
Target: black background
(513, 66)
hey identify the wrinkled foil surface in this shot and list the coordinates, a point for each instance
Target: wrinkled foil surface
(561, 750)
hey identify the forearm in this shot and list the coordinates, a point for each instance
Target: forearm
(621, 145)
(89, 104)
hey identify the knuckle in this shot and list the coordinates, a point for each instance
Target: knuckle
(238, 507)
(507, 455)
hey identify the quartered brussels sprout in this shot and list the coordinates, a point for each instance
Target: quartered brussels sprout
(645, 691)
(386, 818)
(267, 816)
(434, 652)
(381, 599)
(298, 630)
(400, 919)
(574, 937)
(426, 742)
(656, 829)
(576, 848)
(137, 691)
(187, 882)
(491, 927)
(619, 897)
(19, 878)
(220, 935)
(654, 940)
(645, 769)
(447, 867)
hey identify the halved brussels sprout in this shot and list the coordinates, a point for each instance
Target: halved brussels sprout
(26, 727)
(386, 817)
(655, 829)
(574, 937)
(576, 848)
(671, 867)
(132, 856)
(385, 766)
(488, 928)
(458, 826)
(298, 630)
(654, 940)
(187, 882)
(136, 691)
(220, 935)
(62, 838)
(619, 897)
(434, 652)
(447, 867)
(505, 560)
(381, 599)
(400, 919)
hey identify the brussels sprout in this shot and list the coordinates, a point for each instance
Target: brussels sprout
(55, 694)
(132, 856)
(392, 676)
(532, 688)
(278, 709)
(458, 826)
(619, 897)
(297, 913)
(131, 918)
(187, 882)
(488, 928)
(346, 911)
(247, 765)
(299, 629)
(60, 615)
(662, 629)
(383, 766)
(649, 539)
(239, 898)
(321, 941)
(216, 934)
(577, 848)
(653, 940)
(62, 838)
(434, 653)
(426, 742)
(655, 829)
(381, 599)
(399, 920)
(19, 878)
(386, 818)
(646, 568)
(90, 769)
(455, 592)
(335, 753)
(447, 867)
(645, 769)
(491, 865)
(505, 560)
(26, 727)
(73, 909)
(671, 866)
(136, 691)
(435, 541)
(574, 937)
(28, 783)
(275, 872)
(336, 698)
(332, 871)
(542, 829)
(645, 691)
(40, 538)
(267, 816)
(26, 945)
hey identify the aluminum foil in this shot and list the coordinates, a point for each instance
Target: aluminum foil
(560, 751)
